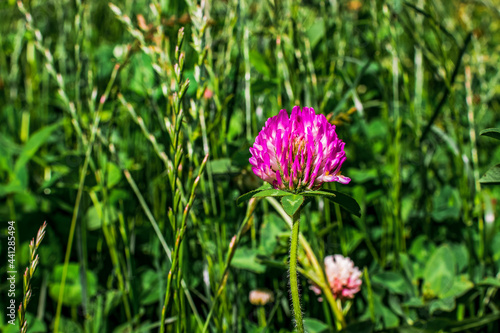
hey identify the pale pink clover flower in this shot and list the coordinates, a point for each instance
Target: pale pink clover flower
(261, 297)
(343, 277)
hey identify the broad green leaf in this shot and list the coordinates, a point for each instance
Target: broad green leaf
(439, 273)
(248, 195)
(414, 302)
(271, 230)
(446, 204)
(32, 145)
(117, 195)
(258, 61)
(406, 265)
(460, 286)
(316, 31)
(292, 203)
(342, 199)
(421, 248)
(491, 132)
(492, 176)
(94, 220)
(222, 166)
(445, 304)
(490, 282)
(394, 282)
(114, 174)
(143, 76)
(73, 288)
(382, 312)
(312, 325)
(461, 256)
(19, 174)
(149, 290)
(246, 258)
(389, 318)
(12, 187)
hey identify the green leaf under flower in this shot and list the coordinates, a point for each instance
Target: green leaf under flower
(491, 132)
(292, 203)
(249, 195)
(349, 203)
(271, 193)
(340, 198)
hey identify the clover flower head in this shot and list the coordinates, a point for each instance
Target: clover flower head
(343, 277)
(261, 297)
(298, 153)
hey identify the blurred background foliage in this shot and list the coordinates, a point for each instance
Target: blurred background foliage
(102, 137)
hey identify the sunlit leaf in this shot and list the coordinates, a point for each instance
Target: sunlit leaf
(292, 203)
(492, 176)
(250, 194)
(490, 282)
(270, 193)
(445, 304)
(439, 273)
(460, 286)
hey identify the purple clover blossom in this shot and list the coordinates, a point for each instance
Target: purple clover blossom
(298, 153)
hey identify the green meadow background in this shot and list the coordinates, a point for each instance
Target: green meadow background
(103, 137)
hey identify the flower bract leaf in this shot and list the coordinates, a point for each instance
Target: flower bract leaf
(348, 202)
(248, 195)
(271, 193)
(292, 203)
(492, 133)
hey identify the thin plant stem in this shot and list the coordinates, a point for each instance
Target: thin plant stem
(232, 249)
(180, 236)
(340, 320)
(83, 174)
(262, 316)
(73, 225)
(294, 287)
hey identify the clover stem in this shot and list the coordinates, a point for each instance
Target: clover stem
(262, 316)
(294, 288)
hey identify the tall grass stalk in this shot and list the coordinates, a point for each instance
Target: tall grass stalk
(28, 276)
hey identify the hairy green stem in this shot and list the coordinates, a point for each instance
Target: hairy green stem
(294, 287)
(323, 283)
